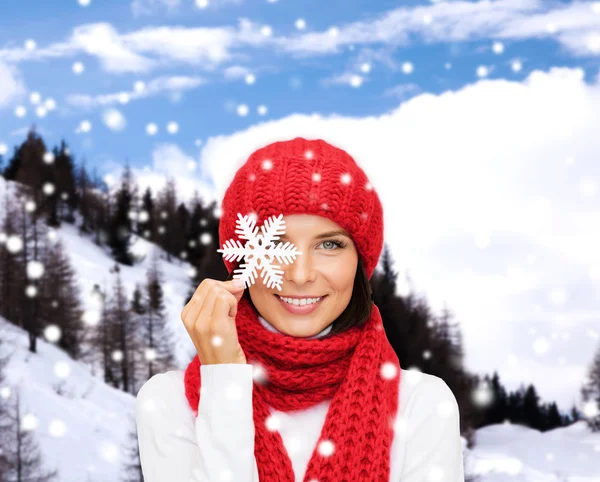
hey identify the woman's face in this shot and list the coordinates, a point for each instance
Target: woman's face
(323, 269)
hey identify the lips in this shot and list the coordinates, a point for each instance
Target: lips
(301, 309)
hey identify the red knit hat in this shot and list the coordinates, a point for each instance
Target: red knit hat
(303, 176)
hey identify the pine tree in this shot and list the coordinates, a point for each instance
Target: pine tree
(158, 338)
(22, 456)
(182, 228)
(209, 263)
(85, 195)
(167, 223)
(137, 363)
(146, 225)
(64, 202)
(531, 408)
(119, 321)
(61, 305)
(14, 163)
(132, 468)
(34, 172)
(99, 339)
(119, 230)
(5, 425)
(99, 209)
(590, 393)
(12, 273)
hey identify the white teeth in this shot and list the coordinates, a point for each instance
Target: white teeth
(302, 302)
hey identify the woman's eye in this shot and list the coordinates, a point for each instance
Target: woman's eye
(336, 243)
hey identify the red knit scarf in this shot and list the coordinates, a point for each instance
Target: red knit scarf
(300, 373)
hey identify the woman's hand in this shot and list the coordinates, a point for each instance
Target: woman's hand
(209, 318)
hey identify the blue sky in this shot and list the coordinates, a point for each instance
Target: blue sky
(290, 75)
(475, 121)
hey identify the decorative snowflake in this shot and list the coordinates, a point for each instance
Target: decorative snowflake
(260, 250)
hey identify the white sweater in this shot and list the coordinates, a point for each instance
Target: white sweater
(218, 444)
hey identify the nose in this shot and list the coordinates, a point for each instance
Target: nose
(299, 271)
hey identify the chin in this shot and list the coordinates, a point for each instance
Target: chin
(298, 332)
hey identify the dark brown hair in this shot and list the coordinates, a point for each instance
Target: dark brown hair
(359, 307)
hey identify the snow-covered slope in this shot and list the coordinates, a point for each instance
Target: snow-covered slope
(82, 432)
(507, 452)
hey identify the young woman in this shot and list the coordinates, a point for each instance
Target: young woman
(283, 390)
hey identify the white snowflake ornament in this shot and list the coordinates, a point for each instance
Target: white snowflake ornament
(260, 250)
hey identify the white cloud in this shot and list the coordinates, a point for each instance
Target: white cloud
(11, 85)
(235, 72)
(487, 160)
(114, 52)
(458, 21)
(206, 47)
(572, 25)
(152, 88)
(351, 79)
(402, 90)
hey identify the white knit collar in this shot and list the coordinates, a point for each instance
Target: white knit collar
(270, 327)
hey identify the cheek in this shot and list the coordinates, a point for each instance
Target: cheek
(341, 276)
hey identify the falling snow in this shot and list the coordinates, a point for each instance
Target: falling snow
(78, 67)
(356, 80)
(173, 127)
(516, 66)
(151, 129)
(84, 126)
(114, 120)
(482, 71)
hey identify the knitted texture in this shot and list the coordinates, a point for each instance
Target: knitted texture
(306, 177)
(357, 370)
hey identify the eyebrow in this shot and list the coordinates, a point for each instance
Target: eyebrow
(339, 232)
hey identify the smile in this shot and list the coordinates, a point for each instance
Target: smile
(301, 309)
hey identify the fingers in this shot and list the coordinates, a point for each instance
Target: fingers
(211, 312)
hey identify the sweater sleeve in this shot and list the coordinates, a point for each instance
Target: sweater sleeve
(433, 442)
(216, 445)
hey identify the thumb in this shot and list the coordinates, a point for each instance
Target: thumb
(238, 294)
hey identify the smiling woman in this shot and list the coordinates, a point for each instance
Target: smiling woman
(330, 267)
(283, 390)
